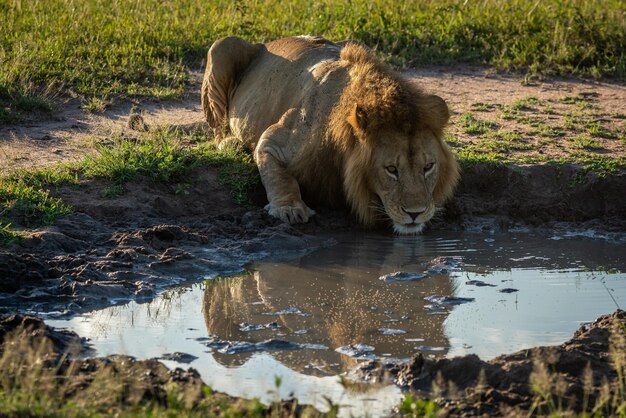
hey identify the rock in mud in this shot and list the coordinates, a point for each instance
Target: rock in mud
(178, 357)
(358, 351)
(448, 300)
(402, 276)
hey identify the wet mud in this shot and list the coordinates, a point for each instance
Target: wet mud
(540, 195)
(129, 247)
(468, 386)
(113, 250)
(109, 251)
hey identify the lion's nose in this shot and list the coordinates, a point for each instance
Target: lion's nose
(414, 213)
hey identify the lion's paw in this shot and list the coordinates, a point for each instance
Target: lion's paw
(296, 213)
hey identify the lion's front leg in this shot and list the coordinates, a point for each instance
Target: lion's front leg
(276, 148)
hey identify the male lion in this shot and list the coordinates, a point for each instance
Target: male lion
(333, 122)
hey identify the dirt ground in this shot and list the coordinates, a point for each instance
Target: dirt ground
(71, 131)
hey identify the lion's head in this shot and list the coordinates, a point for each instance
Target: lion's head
(396, 164)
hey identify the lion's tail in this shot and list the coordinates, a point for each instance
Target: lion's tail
(226, 61)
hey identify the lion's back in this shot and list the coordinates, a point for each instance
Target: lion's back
(288, 73)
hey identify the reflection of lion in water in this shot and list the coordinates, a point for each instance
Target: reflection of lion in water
(331, 121)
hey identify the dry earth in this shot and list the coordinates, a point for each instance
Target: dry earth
(71, 131)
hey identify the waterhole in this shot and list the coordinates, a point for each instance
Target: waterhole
(290, 328)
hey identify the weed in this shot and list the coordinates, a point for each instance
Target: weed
(581, 100)
(412, 406)
(596, 129)
(30, 206)
(7, 236)
(482, 107)
(474, 126)
(15, 101)
(527, 103)
(96, 104)
(582, 142)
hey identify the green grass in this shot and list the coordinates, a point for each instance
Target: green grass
(168, 157)
(582, 142)
(414, 407)
(7, 236)
(165, 156)
(29, 206)
(15, 102)
(100, 49)
(527, 103)
(471, 125)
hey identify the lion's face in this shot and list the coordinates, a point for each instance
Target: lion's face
(404, 175)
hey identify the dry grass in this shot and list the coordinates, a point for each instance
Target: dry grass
(37, 381)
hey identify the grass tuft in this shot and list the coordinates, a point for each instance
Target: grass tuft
(7, 236)
(28, 205)
(473, 126)
(167, 156)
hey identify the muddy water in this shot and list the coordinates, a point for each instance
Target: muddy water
(310, 319)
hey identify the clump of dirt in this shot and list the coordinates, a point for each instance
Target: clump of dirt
(539, 195)
(580, 370)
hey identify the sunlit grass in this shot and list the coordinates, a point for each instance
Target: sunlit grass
(103, 49)
(163, 155)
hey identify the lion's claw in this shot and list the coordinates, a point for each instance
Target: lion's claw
(296, 213)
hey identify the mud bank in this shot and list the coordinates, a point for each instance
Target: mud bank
(29, 350)
(112, 250)
(577, 374)
(539, 196)
(129, 247)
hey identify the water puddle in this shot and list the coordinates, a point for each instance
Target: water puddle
(289, 328)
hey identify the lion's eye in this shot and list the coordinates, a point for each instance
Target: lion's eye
(428, 167)
(391, 169)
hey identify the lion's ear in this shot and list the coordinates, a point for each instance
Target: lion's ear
(358, 118)
(437, 110)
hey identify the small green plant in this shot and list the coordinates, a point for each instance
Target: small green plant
(412, 406)
(30, 206)
(15, 101)
(7, 236)
(474, 126)
(96, 104)
(527, 103)
(582, 142)
(482, 107)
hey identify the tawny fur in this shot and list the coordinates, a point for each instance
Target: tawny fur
(334, 162)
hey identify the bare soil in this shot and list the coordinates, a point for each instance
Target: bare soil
(487, 96)
(72, 131)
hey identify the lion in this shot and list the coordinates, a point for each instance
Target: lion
(330, 124)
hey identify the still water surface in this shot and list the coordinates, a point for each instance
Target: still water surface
(369, 297)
